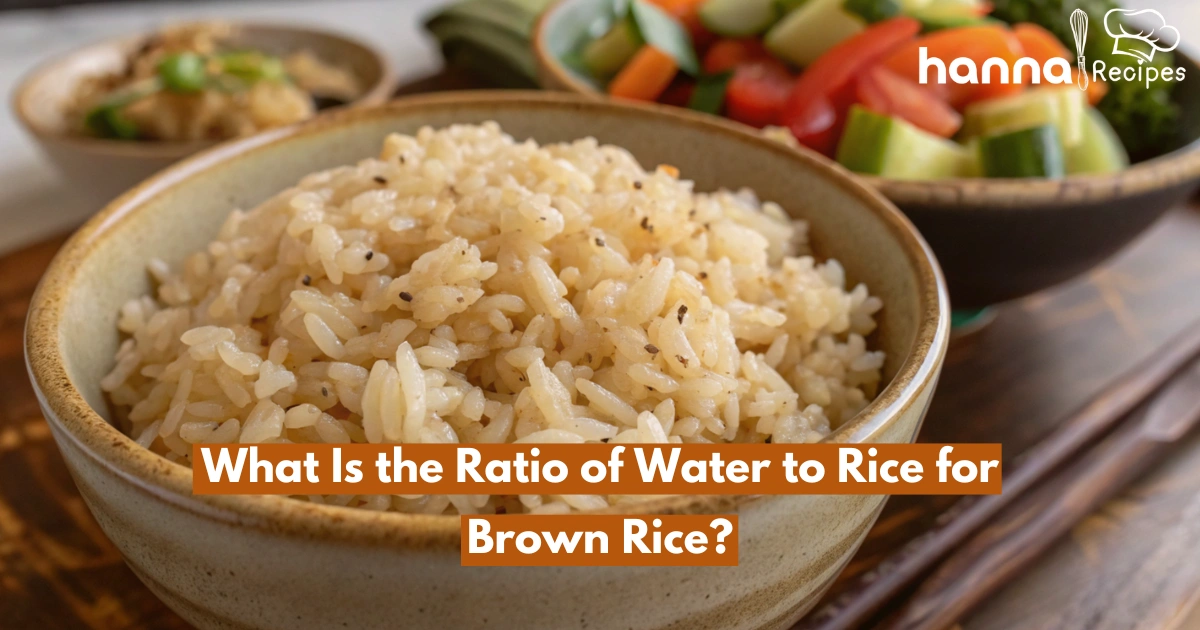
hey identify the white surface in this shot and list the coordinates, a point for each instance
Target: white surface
(34, 202)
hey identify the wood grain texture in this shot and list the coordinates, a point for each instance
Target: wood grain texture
(1132, 564)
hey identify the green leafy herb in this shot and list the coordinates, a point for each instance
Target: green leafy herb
(709, 95)
(873, 10)
(183, 73)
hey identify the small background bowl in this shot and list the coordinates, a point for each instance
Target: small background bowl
(104, 168)
(997, 240)
(274, 562)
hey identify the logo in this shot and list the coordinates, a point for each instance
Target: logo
(1140, 43)
(1143, 44)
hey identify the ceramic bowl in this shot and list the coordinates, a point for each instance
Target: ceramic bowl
(103, 168)
(274, 562)
(997, 239)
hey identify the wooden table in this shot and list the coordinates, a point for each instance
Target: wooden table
(1132, 564)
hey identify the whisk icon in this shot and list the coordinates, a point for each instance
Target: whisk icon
(1079, 28)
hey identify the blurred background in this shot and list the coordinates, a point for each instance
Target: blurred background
(33, 203)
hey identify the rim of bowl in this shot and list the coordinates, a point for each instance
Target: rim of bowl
(951, 194)
(378, 92)
(171, 482)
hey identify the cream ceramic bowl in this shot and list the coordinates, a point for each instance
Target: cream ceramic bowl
(104, 168)
(273, 562)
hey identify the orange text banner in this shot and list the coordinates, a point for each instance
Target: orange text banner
(529, 540)
(628, 469)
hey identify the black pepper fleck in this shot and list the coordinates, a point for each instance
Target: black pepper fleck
(651, 348)
(599, 242)
(380, 179)
(324, 392)
(637, 185)
(370, 255)
(682, 360)
(460, 299)
(306, 280)
(703, 275)
(406, 296)
(646, 225)
(682, 312)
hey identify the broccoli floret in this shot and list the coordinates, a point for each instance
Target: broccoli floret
(1143, 118)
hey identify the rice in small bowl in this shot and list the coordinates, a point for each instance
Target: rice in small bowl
(277, 562)
(466, 287)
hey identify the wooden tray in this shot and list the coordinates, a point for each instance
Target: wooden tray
(1130, 564)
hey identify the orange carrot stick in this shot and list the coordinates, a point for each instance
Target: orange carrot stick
(645, 76)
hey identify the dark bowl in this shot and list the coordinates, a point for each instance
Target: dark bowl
(997, 239)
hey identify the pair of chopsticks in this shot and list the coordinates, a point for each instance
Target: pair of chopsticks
(982, 542)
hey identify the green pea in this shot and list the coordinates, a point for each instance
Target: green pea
(183, 72)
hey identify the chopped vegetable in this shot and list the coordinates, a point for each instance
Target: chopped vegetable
(881, 145)
(1041, 45)
(688, 14)
(1144, 117)
(726, 54)
(873, 10)
(758, 91)
(886, 92)
(664, 33)
(812, 29)
(828, 77)
(110, 122)
(858, 95)
(1033, 152)
(1038, 43)
(253, 66)
(1059, 106)
(646, 76)
(738, 18)
(946, 14)
(1099, 151)
(709, 94)
(605, 55)
(183, 73)
(680, 92)
(977, 43)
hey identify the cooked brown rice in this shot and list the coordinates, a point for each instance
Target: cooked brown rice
(466, 287)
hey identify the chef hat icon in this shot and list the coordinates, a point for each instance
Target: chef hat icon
(1140, 42)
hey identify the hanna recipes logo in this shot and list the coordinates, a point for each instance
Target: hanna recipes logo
(1140, 43)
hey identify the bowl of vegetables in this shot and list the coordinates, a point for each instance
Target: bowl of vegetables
(110, 114)
(1017, 185)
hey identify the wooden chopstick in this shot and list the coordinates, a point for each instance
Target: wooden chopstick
(865, 596)
(1030, 526)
